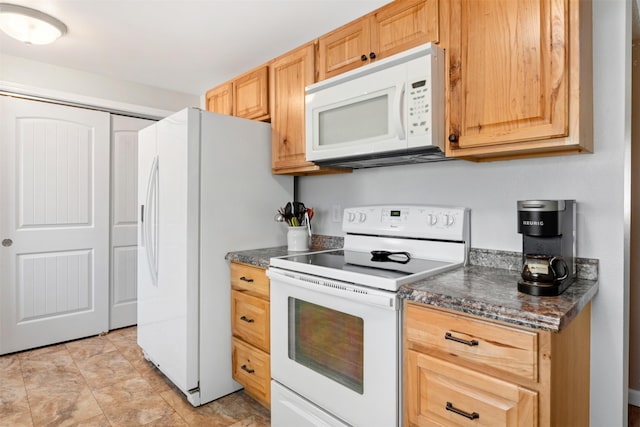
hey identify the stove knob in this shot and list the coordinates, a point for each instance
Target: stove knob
(351, 217)
(432, 219)
(362, 217)
(449, 220)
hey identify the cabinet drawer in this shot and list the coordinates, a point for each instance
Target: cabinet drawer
(250, 319)
(507, 349)
(252, 368)
(442, 393)
(248, 278)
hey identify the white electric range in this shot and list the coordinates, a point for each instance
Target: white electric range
(335, 315)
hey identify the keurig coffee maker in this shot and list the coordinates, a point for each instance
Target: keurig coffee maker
(548, 245)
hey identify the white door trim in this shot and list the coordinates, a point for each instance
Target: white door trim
(82, 101)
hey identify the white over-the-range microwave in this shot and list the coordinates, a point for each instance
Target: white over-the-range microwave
(385, 113)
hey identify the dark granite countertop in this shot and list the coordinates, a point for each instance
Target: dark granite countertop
(482, 290)
(493, 293)
(260, 257)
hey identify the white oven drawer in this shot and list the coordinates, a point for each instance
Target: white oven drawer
(289, 409)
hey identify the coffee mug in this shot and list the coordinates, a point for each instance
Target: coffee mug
(543, 268)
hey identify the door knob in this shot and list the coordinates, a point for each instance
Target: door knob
(7, 242)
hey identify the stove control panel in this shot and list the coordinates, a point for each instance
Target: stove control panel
(418, 221)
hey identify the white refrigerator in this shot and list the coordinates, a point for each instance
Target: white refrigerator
(204, 188)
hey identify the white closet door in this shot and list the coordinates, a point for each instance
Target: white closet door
(124, 219)
(54, 223)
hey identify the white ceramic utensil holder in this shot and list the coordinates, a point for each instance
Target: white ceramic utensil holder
(298, 238)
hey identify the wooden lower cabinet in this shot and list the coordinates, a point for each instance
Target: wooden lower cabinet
(252, 369)
(250, 326)
(454, 395)
(464, 370)
(250, 316)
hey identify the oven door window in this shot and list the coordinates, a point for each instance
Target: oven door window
(328, 342)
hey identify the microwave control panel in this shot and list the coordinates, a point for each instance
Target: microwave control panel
(424, 99)
(419, 106)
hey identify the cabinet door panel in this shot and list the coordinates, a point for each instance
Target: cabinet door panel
(508, 349)
(251, 95)
(441, 393)
(219, 99)
(289, 75)
(250, 319)
(508, 74)
(404, 24)
(252, 280)
(252, 368)
(342, 49)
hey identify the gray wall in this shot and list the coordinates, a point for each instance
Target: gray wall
(597, 181)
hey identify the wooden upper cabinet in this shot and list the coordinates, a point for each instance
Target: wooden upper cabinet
(245, 96)
(402, 25)
(398, 26)
(219, 99)
(251, 94)
(288, 76)
(518, 82)
(344, 49)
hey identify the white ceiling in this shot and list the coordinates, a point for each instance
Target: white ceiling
(183, 45)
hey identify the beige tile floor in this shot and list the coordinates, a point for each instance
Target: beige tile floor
(105, 381)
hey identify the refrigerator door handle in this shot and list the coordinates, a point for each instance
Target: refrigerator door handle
(150, 228)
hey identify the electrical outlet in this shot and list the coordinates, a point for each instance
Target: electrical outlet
(336, 213)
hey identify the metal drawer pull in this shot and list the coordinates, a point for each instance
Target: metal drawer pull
(244, 279)
(246, 319)
(448, 336)
(471, 416)
(244, 368)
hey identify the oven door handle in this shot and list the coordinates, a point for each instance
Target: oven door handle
(330, 287)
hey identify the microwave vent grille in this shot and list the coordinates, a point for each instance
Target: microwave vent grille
(431, 154)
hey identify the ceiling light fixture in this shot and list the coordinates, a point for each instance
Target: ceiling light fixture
(29, 25)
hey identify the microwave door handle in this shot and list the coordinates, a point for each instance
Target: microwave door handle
(399, 111)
